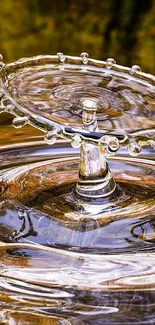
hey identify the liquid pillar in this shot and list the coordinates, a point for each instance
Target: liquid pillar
(95, 179)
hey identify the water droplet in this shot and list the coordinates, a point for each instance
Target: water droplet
(19, 122)
(51, 137)
(103, 140)
(134, 149)
(89, 104)
(85, 57)
(61, 57)
(134, 69)
(109, 144)
(109, 63)
(76, 141)
(113, 144)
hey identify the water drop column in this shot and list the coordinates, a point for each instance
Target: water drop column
(95, 179)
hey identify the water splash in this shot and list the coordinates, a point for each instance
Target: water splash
(64, 257)
(60, 97)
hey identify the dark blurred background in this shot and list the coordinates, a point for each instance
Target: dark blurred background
(122, 29)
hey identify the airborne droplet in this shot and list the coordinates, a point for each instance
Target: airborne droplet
(134, 69)
(134, 149)
(109, 63)
(84, 57)
(113, 144)
(51, 137)
(109, 144)
(61, 57)
(19, 122)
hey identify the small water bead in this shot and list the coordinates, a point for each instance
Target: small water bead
(19, 122)
(110, 62)
(85, 57)
(134, 69)
(76, 141)
(51, 137)
(61, 57)
(109, 144)
(134, 148)
(113, 144)
(89, 104)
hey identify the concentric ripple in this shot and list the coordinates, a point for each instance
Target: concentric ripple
(64, 259)
(64, 270)
(57, 91)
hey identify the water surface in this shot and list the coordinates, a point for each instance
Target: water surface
(57, 272)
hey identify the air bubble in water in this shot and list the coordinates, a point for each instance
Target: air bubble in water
(51, 136)
(61, 57)
(19, 122)
(109, 63)
(134, 69)
(134, 149)
(76, 141)
(84, 57)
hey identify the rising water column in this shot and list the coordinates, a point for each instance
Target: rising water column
(95, 179)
